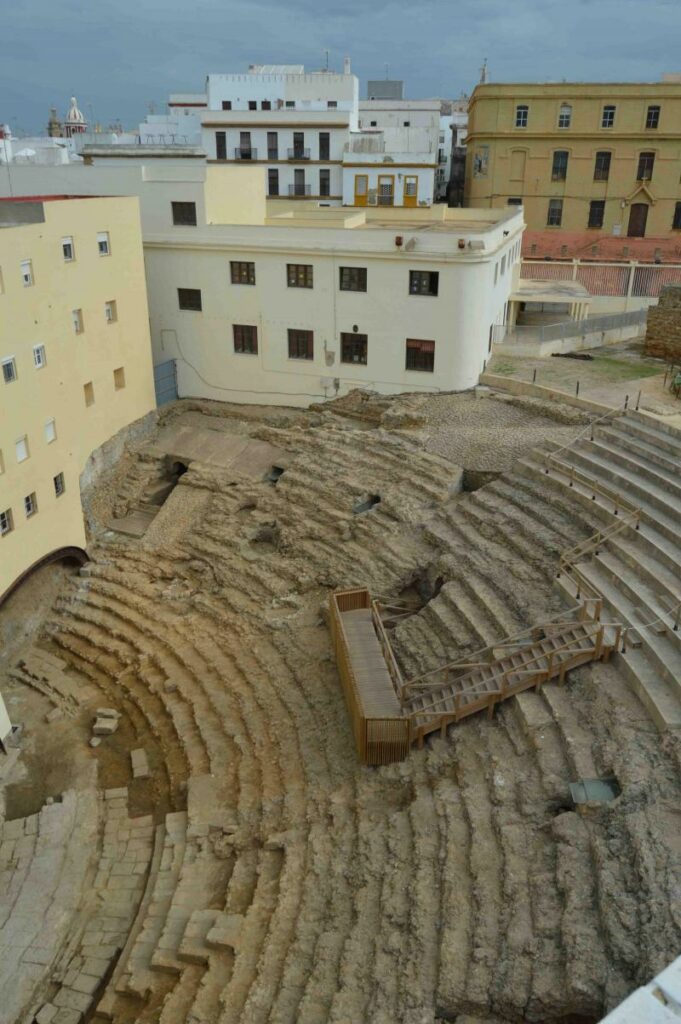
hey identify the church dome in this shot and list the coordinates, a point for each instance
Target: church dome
(74, 115)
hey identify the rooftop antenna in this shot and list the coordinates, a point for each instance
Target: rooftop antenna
(327, 60)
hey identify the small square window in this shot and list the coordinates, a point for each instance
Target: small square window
(332, 104)
(27, 273)
(59, 485)
(189, 298)
(184, 214)
(423, 282)
(514, 201)
(103, 246)
(21, 448)
(68, 251)
(266, 105)
(245, 339)
(407, 124)
(39, 359)
(242, 272)
(9, 370)
(353, 279)
(300, 344)
(89, 393)
(252, 105)
(354, 348)
(290, 104)
(110, 311)
(299, 275)
(30, 505)
(77, 320)
(420, 355)
(50, 430)
(119, 378)
(653, 117)
(6, 522)
(226, 104)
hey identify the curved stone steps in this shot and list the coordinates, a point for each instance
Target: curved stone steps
(492, 526)
(537, 500)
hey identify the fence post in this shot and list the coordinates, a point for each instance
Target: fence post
(638, 401)
(534, 375)
(577, 390)
(626, 401)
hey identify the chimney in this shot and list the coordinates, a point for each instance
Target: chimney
(346, 66)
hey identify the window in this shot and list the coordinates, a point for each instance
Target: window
(21, 448)
(300, 344)
(373, 124)
(420, 355)
(290, 104)
(50, 430)
(39, 359)
(111, 311)
(27, 273)
(245, 339)
(353, 279)
(565, 116)
(324, 145)
(653, 117)
(189, 298)
(354, 348)
(6, 522)
(77, 320)
(514, 201)
(299, 275)
(406, 124)
(298, 152)
(676, 223)
(103, 246)
(68, 252)
(608, 117)
(423, 282)
(646, 162)
(521, 115)
(560, 163)
(596, 213)
(119, 378)
(555, 213)
(221, 145)
(273, 181)
(184, 214)
(9, 370)
(266, 105)
(272, 146)
(59, 486)
(30, 505)
(242, 273)
(252, 105)
(602, 166)
(324, 182)
(386, 189)
(89, 393)
(226, 104)
(332, 104)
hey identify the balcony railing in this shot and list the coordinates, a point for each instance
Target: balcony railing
(272, 154)
(299, 190)
(299, 153)
(245, 154)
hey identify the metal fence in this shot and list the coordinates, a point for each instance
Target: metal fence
(504, 333)
(639, 280)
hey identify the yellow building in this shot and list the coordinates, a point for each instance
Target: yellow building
(579, 157)
(75, 361)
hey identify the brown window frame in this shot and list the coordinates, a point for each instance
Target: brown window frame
(242, 272)
(351, 342)
(245, 339)
(424, 282)
(422, 351)
(226, 104)
(183, 213)
(352, 279)
(300, 344)
(184, 302)
(596, 206)
(300, 275)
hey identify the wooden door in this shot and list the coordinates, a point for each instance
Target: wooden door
(411, 189)
(361, 189)
(638, 215)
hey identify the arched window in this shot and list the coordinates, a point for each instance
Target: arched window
(565, 116)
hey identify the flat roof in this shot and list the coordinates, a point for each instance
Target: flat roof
(529, 290)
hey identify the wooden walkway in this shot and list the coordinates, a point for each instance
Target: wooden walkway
(388, 714)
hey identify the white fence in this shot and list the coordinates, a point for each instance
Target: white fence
(635, 285)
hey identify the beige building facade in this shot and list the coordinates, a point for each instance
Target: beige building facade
(75, 362)
(579, 157)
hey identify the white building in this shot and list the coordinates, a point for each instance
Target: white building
(261, 301)
(380, 170)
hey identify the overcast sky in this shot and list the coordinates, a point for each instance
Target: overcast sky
(118, 57)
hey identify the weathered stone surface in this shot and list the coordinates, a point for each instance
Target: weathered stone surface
(105, 726)
(663, 330)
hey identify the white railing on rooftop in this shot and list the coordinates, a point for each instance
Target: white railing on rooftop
(638, 280)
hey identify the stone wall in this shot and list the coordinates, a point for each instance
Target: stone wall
(663, 333)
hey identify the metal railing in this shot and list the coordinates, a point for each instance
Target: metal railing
(299, 190)
(299, 153)
(241, 153)
(637, 280)
(506, 334)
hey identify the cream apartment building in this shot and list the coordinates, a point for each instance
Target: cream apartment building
(266, 302)
(579, 156)
(75, 361)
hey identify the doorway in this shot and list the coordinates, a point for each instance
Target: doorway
(411, 189)
(638, 216)
(361, 189)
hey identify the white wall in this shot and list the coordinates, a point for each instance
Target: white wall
(361, 164)
(311, 91)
